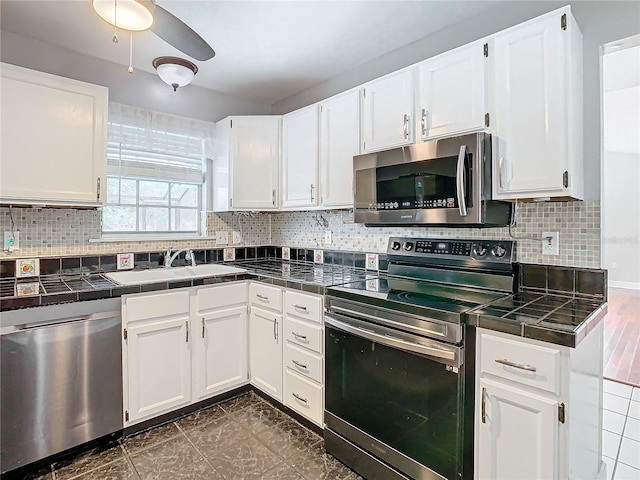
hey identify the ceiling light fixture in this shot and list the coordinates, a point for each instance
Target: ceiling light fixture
(175, 71)
(134, 15)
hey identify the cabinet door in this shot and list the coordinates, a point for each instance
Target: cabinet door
(387, 111)
(220, 351)
(265, 352)
(530, 89)
(339, 143)
(451, 90)
(53, 145)
(254, 160)
(300, 158)
(158, 367)
(517, 434)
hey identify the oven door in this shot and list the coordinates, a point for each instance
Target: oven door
(397, 396)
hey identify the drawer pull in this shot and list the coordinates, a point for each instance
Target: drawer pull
(521, 366)
(297, 335)
(299, 307)
(298, 397)
(264, 298)
(299, 365)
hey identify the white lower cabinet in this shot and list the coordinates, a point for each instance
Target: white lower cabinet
(538, 408)
(182, 346)
(518, 434)
(303, 396)
(265, 347)
(158, 367)
(219, 340)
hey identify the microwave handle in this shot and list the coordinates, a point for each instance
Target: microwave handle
(461, 184)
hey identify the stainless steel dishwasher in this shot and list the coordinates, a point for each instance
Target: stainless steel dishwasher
(61, 378)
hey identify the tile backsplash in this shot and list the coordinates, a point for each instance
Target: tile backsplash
(51, 232)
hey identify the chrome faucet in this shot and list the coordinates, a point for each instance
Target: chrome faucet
(169, 257)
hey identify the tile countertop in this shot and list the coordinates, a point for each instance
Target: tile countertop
(54, 289)
(559, 317)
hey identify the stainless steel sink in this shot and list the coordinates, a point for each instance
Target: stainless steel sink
(133, 277)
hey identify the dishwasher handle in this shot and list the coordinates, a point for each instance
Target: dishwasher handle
(72, 319)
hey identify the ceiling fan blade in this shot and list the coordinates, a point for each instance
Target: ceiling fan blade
(177, 33)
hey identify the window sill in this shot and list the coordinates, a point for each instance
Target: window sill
(146, 238)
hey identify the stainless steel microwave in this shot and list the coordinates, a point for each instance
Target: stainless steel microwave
(439, 182)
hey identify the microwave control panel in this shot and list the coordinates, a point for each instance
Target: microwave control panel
(415, 204)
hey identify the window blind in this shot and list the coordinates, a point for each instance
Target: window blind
(155, 145)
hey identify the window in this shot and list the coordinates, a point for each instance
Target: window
(156, 170)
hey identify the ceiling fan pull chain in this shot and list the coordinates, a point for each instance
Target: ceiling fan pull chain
(115, 22)
(131, 54)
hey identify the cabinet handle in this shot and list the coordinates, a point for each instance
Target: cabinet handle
(406, 127)
(424, 122)
(203, 328)
(500, 167)
(299, 365)
(262, 297)
(302, 399)
(521, 366)
(275, 329)
(186, 326)
(299, 307)
(312, 196)
(297, 335)
(273, 197)
(484, 408)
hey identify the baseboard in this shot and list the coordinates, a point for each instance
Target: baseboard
(627, 285)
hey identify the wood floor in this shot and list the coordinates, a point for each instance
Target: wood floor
(622, 337)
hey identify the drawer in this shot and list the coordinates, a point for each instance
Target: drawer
(303, 361)
(303, 305)
(519, 361)
(209, 298)
(265, 296)
(305, 334)
(157, 305)
(303, 396)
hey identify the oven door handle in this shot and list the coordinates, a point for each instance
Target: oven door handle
(448, 355)
(461, 184)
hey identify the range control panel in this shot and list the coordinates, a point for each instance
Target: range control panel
(423, 249)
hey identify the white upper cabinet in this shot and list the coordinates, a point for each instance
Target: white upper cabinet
(300, 158)
(339, 143)
(246, 168)
(388, 111)
(537, 97)
(54, 139)
(451, 92)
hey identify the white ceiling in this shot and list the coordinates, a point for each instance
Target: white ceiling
(265, 50)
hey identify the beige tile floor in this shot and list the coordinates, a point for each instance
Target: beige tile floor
(621, 431)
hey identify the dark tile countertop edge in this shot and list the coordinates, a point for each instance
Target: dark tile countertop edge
(537, 332)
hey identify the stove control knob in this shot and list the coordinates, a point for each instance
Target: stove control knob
(395, 246)
(408, 246)
(480, 250)
(499, 251)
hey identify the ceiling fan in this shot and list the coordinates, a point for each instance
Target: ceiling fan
(138, 15)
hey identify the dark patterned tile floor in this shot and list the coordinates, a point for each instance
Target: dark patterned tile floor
(242, 438)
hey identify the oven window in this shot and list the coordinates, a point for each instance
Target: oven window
(405, 400)
(425, 184)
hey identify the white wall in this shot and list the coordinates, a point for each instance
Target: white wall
(142, 89)
(621, 168)
(600, 22)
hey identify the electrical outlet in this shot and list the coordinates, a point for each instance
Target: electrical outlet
(327, 237)
(372, 261)
(237, 238)
(551, 243)
(11, 240)
(222, 237)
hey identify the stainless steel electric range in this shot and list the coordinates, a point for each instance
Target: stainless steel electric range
(399, 358)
